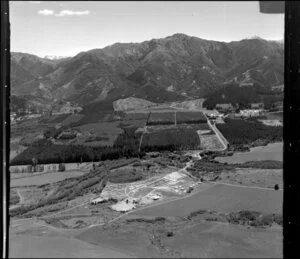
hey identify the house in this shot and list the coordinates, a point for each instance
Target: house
(224, 107)
(251, 113)
(257, 105)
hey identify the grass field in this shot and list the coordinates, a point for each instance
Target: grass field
(97, 134)
(220, 198)
(273, 151)
(217, 240)
(45, 178)
(35, 241)
(210, 142)
(136, 116)
(254, 177)
(147, 238)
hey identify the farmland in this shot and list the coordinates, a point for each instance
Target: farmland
(75, 217)
(97, 134)
(190, 117)
(45, 178)
(161, 118)
(136, 116)
(241, 133)
(220, 198)
(163, 184)
(176, 117)
(38, 241)
(67, 139)
(273, 151)
(170, 139)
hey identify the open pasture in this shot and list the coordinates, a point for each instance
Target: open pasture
(97, 134)
(136, 116)
(190, 117)
(274, 116)
(217, 240)
(161, 118)
(45, 178)
(36, 241)
(273, 151)
(254, 177)
(220, 198)
(28, 129)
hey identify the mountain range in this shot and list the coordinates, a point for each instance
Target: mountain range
(178, 67)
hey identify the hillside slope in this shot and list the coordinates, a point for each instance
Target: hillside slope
(168, 69)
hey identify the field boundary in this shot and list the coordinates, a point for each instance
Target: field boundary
(220, 136)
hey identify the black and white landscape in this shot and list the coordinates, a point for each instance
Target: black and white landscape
(168, 147)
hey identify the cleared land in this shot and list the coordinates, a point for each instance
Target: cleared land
(273, 151)
(210, 142)
(45, 178)
(221, 198)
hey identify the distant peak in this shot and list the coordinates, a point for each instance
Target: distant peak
(179, 35)
(256, 38)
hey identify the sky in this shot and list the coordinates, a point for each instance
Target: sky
(66, 28)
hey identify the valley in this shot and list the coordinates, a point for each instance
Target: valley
(167, 181)
(127, 150)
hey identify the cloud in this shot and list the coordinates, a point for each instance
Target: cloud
(72, 13)
(46, 12)
(63, 13)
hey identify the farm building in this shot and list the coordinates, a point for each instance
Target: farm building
(224, 107)
(212, 114)
(251, 113)
(257, 105)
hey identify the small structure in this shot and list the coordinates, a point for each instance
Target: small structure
(251, 113)
(156, 197)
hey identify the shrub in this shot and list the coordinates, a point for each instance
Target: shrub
(61, 167)
(170, 233)
(278, 219)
